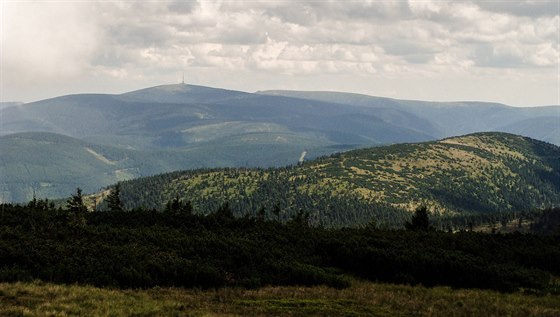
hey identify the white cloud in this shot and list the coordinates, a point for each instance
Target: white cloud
(260, 42)
(42, 42)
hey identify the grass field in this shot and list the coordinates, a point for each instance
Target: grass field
(361, 299)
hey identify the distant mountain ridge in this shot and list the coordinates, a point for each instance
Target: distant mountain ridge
(455, 118)
(144, 118)
(196, 126)
(140, 119)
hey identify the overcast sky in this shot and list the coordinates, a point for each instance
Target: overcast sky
(502, 51)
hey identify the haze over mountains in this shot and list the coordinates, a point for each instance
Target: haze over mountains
(171, 127)
(455, 118)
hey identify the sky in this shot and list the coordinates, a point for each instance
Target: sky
(497, 51)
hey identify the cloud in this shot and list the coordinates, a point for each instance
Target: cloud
(527, 8)
(34, 48)
(183, 7)
(154, 40)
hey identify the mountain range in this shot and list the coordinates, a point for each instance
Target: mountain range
(51, 146)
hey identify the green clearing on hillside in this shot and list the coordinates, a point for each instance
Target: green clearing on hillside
(361, 299)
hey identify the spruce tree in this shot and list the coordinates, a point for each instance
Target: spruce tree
(76, 202)
(420, 220)
(114, 199)
(177, 206)
(76, 209)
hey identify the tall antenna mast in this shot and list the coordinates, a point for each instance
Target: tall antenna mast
(183, 82)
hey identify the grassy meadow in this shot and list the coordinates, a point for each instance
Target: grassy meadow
(361, 299)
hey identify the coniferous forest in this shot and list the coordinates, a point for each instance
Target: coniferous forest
(146, 248)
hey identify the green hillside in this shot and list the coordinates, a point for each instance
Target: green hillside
(53, 165)
(480, 173)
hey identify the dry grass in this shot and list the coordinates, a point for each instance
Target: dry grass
(362, 299)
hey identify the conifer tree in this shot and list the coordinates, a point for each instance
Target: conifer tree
(178, 206)
(76, 202)
(114, 199)
(420, 220)
(76, 209)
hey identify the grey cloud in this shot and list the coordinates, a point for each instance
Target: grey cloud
(414, 32)
(361, 10)
(141, 35)
(486, 55)
(380, 10)
(242, 36)
(243, 29)
(404, 47)
(313, 12)
(418, 58)
(182, 6)
(301, 14)
(536, 8)
(111, 57)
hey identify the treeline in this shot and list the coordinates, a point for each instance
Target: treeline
(147, 248)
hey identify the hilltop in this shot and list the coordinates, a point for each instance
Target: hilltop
(480, 173)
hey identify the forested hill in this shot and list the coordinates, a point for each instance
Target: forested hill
(477, 173)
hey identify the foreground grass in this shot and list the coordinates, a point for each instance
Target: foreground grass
(361, 299)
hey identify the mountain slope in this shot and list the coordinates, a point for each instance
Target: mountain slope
(452, 118)
(478, 173)
(163, 117)
(53, 165)
(181, 94)
(543, 128)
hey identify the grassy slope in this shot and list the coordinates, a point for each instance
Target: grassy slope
(362, 299)
(485, 172)
(488, 169)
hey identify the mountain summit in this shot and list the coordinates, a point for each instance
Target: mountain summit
(181, 93)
